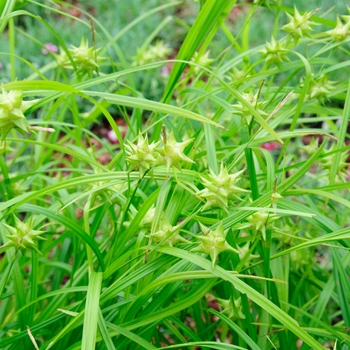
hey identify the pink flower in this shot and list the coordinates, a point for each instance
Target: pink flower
(49, 47)
(112, 137)
(270, 146)
(165, 72)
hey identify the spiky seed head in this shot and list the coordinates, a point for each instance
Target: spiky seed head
(172, 153)
(157, 52)
(12, 108)
(261, 221)
(213, 242)
(341, 30)
(275, 53)
(142, 155)
(202, 60)
(167, 234)
(320, 87)
(219, 189)
(252, 101)
(299, 25)
(233, 310)
(22, 236)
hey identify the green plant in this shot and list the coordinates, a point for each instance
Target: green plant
(218, 216)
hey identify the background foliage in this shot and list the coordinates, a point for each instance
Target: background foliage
(174, 175)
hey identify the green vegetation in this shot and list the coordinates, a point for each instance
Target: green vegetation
(174, 176)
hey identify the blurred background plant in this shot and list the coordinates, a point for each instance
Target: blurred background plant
(182, 179)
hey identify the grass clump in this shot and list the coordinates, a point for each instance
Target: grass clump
(189, 195)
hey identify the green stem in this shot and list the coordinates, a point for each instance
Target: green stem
(11, 32)
(87, 230)
(11, 262)
(7, 194)
(34, 286)
(250, 164)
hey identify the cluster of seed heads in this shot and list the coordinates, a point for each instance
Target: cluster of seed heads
(144, 156)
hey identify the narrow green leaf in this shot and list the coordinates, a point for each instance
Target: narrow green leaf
(330, 237)
(341, 136)
(211, 150)
(70, 224)
(136, 102)
(209, 17)
(318, 192)
(264, 200)
(160, 205)
(204, 344)
(132, 336)
(91, 311)
(244, 288)
(6, 7)
(342, 285)
(6, 274)
(193, 296)
(104, 332)
(236, 329)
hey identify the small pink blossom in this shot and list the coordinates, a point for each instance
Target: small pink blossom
(270, 146)
(165, 72)
(49, 47)
(112, 137)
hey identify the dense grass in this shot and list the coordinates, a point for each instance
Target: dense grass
(217, 218)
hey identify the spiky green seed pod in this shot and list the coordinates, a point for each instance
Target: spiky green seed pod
(141, 156)
(341, 30)
(327, 163)
(167, 234)
(299, 25)
(22, 236)
(312, 147)
(275, 53)
(301, 259)
(320, 87)
(237, 76)
(275, 197)
(160, 50)
(86, 58)
(261, 221)
(233, 310)
(203, 61)
(104, 189)
(213, 242)
(154, 53)
(219, 189)
(19, 186)
(252, 100)
(63, 59)
(12, 108)
(242, 252)
(172, 153)
(147, 220)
